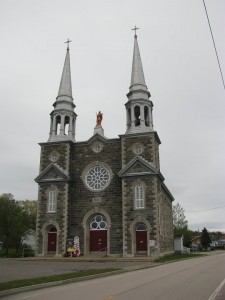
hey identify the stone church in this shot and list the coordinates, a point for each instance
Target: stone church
(107, 194)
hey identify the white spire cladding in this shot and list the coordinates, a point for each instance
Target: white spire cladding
(65, 88)
(137, 74)
(139, 106)
(63, 117)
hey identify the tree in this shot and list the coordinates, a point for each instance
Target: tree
(179, 219)
(15, 219)
(180, 224)
(205, 238)
(30, 209)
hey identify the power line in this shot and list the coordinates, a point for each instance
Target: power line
(221, 73)
(194, 211)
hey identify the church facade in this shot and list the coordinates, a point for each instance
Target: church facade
(104, 195)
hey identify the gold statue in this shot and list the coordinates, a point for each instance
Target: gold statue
(99, 119)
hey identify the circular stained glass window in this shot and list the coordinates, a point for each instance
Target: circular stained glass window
(98, 222)
(97, 178)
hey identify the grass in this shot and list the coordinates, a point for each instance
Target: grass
(12, 253)
(175, 257)
(45, 279)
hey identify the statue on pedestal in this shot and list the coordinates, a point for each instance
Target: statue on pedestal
(99, 119)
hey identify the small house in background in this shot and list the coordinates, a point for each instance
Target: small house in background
(179, 245)
(196, 243)
(29, 239)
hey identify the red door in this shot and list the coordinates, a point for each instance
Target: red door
(98, 240)
(141, 241)
(52, 238)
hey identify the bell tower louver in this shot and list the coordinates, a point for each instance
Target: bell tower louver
(63, 117)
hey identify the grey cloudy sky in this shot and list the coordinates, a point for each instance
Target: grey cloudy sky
(181, 73)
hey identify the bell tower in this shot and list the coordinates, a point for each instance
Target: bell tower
(138, 107)
(63, 117)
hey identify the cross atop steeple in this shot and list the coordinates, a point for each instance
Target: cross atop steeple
(135, 29)
(68, 42)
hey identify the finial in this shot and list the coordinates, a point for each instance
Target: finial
(68, 42)
(135, 29)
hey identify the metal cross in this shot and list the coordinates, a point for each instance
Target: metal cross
(135, 29)
(68, 42)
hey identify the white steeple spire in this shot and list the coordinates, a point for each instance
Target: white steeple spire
(138, 107)
(65, 88)
(137, 74)
(63, 117)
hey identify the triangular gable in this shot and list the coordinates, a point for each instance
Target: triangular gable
(97, 137)
(52, 173)
(138, 166)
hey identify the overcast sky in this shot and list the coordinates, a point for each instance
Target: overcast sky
(181, 73)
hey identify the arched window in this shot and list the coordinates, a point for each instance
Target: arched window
(139, 196)
(141, 227)
(52, 200)
(98, 222)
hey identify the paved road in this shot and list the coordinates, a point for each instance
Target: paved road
(195, 279)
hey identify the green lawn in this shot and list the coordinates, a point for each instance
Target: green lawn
(27, 282)
(174, 257)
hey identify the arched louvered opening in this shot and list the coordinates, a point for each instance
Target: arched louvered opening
(66, 125)
(137, 115)
(146, 115)
(57, 124)
(129, 117)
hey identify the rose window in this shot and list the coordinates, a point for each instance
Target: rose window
(97, 178)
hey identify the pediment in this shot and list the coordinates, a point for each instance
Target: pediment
(52, 173)
(138, 166)
(97, 138)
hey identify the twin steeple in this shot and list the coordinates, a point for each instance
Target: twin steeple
(63, 117)
(138, 107)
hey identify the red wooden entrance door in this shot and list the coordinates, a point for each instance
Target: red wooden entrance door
(141, 238)
(98, 240)
(52, 239)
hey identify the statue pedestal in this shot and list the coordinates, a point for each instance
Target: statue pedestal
(99, 130)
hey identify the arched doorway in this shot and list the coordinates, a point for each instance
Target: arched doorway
(98, 234)
(141, 238)
(52, 239)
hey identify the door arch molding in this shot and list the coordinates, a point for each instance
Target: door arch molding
(44, 231)
(86, 226)
(132, 230)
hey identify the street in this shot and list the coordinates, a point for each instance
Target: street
(193, 279)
